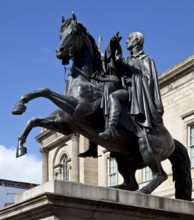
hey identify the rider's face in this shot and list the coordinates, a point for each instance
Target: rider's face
(131, 42)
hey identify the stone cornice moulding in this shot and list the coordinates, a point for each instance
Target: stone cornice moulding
(179, 70)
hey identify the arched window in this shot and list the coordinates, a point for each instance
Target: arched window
(65, 168)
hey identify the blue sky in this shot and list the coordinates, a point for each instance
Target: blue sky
(30, 35)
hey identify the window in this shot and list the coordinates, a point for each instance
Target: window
(191, 143)
(112, 171)
(65, 168)
(147, 174)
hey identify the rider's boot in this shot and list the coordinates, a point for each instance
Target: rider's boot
(92, 151)
(111, 131)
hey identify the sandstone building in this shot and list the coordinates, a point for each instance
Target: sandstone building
(59, 153)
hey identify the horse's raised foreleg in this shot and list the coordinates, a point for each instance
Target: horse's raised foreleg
(66, 103)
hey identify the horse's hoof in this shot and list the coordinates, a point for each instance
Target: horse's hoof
(121, 186)
(21, 151)
(145, 191)
(18, 109)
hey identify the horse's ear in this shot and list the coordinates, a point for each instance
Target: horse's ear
(74, 16)
(63, 19)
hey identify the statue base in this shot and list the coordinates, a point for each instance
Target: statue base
(58, 200)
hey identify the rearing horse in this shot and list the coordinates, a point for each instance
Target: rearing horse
(79, 111)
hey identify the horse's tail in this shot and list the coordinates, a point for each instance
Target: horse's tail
(181, 167)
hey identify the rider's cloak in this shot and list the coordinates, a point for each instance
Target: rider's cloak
(146, 104)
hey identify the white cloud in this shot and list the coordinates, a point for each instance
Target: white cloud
(25, 169)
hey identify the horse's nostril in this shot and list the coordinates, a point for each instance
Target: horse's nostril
(61, 49)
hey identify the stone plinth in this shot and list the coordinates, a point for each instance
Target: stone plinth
(58, 200)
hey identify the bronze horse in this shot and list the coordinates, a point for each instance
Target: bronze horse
(79, 111)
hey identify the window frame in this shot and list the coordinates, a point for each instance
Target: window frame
(65, 172)
(191, 145)
(112, 171)
(147, 174)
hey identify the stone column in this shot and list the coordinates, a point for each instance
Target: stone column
(75, 159)
(44, 153)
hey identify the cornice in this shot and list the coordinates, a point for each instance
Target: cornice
(57, 141)
(43, 135)
(178, 71)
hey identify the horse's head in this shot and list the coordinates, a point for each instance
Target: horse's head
(71, 35)
(77, 43)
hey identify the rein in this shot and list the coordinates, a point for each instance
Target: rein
(82, 73)
(100, 79)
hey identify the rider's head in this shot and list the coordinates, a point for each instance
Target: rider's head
(134, 39)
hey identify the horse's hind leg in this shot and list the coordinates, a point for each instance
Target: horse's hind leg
(127, 170)
(153, 162)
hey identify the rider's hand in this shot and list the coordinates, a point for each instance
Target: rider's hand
(128, 81)
(161, 111)
(118, 55)
(115, 39)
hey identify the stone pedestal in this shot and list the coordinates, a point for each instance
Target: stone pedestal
(58, 200)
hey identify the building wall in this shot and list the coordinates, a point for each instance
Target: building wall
(54, 146)
(9, 189)
(177, 90)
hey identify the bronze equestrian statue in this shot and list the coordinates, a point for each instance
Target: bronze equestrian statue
(135, 145)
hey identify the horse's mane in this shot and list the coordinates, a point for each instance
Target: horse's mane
(97, 62)
(82, 30)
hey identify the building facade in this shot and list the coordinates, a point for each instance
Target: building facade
(9, 189)
(59, 152)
